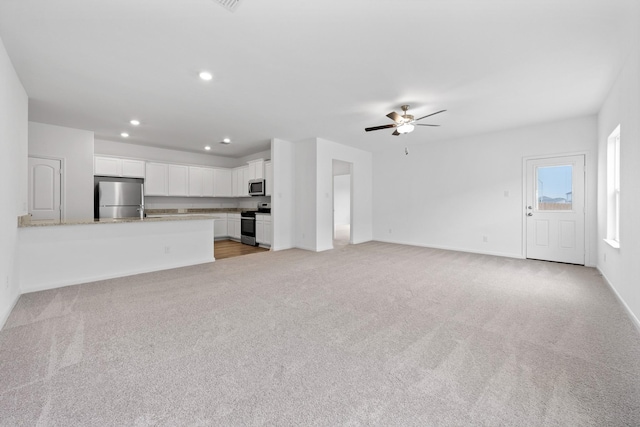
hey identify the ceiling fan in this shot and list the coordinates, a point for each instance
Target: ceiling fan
(403, 123)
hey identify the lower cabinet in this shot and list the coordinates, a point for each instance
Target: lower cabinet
(234, 226)
(220, 226)
(263, 229)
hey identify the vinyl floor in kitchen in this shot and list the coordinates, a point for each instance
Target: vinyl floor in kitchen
(228, 248)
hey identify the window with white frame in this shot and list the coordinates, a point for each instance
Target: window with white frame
(613, 188)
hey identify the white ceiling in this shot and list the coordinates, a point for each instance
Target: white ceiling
(296, 69)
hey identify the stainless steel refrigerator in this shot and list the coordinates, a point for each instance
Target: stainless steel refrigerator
(119, 199)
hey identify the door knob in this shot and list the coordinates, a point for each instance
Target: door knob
(529, 207)
(529, 214)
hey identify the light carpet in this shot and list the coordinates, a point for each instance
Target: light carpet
(369, 334)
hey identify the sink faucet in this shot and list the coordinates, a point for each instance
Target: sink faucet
(141, 210)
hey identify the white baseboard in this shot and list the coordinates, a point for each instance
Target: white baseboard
(89, 279)
(632, 316)
(450, 248)
(4, 316)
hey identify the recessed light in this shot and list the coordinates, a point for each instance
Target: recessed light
(135, 122)
(226, 141)
(207, 148)
(206, 76)
(124, 135)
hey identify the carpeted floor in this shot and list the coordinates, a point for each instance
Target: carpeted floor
(370, 334)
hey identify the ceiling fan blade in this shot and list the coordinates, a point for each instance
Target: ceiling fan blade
(395, 133)
(432, 114)
(395, 117)
(380, 127)
(418, 124)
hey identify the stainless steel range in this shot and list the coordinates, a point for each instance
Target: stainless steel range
(248, 224)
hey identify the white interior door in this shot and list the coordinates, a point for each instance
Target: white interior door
(555, 209)
(44, 189)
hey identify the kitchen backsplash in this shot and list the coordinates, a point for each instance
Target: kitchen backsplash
(202, 202)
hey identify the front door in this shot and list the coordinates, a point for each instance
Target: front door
(555, 209)
(44, 189)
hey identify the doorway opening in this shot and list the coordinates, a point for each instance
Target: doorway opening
(342, 203)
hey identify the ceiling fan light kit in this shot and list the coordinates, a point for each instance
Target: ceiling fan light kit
(405, 128)
(404, 123)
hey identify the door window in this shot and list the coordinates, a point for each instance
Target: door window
(554, 188)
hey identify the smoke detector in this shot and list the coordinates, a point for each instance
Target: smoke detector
(230, 5)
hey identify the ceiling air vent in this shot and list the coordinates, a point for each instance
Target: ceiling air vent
(230, 5)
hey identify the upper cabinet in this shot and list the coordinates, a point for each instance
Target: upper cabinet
(165, 179)
(115, 166)
(256, 170)
(178, 180)
(207, 182)
(195, 181)
(222, 183)
(156, 182)
(241, 181)
(200, 181)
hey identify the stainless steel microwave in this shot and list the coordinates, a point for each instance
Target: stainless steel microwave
(256, 187)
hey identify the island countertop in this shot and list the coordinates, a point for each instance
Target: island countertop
(24, 222)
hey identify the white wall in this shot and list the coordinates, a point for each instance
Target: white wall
(342, 199)
(75, 148)
(622, 106)
(362, 192)
(283, 197)
(305, 190)
(449, 194)
(302, 202)
(265, 155)
(13, 178)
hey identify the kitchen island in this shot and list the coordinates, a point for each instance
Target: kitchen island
(53, 255)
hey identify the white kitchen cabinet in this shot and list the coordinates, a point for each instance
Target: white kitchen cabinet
(234, 226)
(157, 179)
(259, 229)
(220, 228)
(267, 230)
(268, 178)
(222, 183)
(200, 182)
(195, 181)
(245, 181)
(115, 166)
(263, 229)
(235, 186)
(178, 180)
(133, 168)
(241, 181)
(107, 166)
(255, 169)
(207, 182)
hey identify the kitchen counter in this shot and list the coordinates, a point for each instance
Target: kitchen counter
(25, 222)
